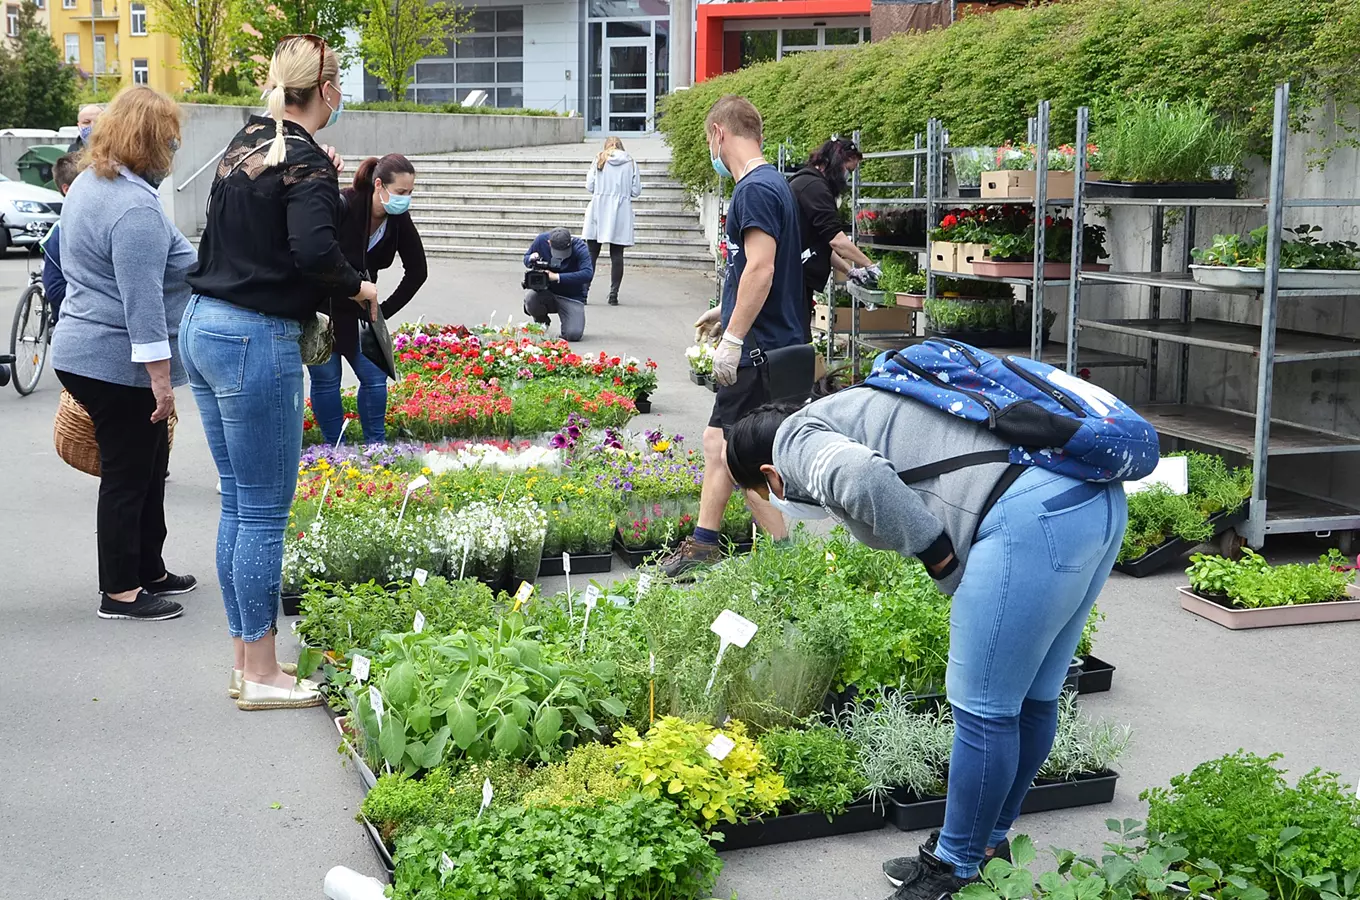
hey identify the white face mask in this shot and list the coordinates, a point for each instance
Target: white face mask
(804, 511)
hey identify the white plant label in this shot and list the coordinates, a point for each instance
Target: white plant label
(375, 700)
(592, 596)
(419, 576)
(651, 663)
(417, 483)
(419, 624)
(467, 547)
(644, 584)
(1173, 472)
(321, 507)
(732, 628)
(445, 863)
(566, 563)
(720, 746)
(486, 796)
(359, 667)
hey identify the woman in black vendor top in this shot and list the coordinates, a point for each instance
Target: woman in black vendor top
(269, 260)
(375, 228)
(817, 187)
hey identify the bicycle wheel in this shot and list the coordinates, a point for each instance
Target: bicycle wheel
(28, 339)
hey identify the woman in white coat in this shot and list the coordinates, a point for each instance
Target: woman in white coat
(613, 182)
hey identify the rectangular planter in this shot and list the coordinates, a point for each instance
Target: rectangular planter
(636, 558)
(1243, 278)
(908, 813)
(888, 319)
(1095, 677)
(911, 301)
(698, 378)
(291, 603)
(384, 855)
(366, 777)
(860, 816)
(1025, 269)
(1273, 616)
(1164, 555)
(1164, 190)
(1020, 185)
(585, 564)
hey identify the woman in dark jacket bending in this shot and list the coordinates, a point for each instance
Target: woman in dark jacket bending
(375, 228)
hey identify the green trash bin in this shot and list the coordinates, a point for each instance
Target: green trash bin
(35, 165)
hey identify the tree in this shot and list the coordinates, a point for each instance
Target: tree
(397, 33)
(37, 87)
(270, 20)
(207, 30)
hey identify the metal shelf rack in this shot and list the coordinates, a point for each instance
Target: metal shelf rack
(1258, 435)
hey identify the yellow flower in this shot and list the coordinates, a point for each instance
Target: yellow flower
(426, 470)
(661, 446)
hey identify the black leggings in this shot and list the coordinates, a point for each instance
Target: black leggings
(133, 456)
(615, 263)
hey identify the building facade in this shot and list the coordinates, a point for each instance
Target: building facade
(611, 60)
(113, 43)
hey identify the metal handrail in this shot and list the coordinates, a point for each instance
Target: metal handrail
(188, 181)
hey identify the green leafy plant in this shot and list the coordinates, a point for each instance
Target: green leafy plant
(1252, 583)
(1156, 514)
(1160, 141)
(900, 275)
(343, 617)
(947, 315)
(1082, 745)
(1241, 812)
(1088, 633)
(673, 762)
(901, 744)
(1304, 252)
(493, 693)
(637, 849)
(820, 767)
(399, 803)
(589, 775)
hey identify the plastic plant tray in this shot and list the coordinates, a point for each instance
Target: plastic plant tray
(1164, 555)
(698, 378)
(1095, 677)
(384, 855)
(909, 813)
(1163, 190)
(584, 564)
(1273, 616)
(863, 815)
(1242, 277)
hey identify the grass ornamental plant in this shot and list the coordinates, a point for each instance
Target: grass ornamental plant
(1159, 141)
(1082, 745)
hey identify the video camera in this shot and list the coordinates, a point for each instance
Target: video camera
(536, 278)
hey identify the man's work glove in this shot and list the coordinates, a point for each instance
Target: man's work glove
(726, 358)
(709, 326)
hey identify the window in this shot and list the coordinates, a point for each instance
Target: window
(141, 72)
(99, 55)
(138, 11)
(800, 37)
(72, 43)
(489, 57)
(842, 35)
(68, 4)
(12, 21)
(40, 4)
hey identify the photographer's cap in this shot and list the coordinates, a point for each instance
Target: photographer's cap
(559, 240)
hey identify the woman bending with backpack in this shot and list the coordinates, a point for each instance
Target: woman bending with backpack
(1023, 549)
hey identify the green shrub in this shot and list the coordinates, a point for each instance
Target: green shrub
(345, 617)
(820, 767)
(399, 803)
(1252, 583)
(984, 75)
(1235, 809)
(589, 775)
(627, 851)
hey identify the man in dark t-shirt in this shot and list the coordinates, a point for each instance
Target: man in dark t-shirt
(760, 311)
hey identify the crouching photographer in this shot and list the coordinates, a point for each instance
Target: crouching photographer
(557, 281)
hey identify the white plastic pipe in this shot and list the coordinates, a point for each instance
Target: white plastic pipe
(346, 884)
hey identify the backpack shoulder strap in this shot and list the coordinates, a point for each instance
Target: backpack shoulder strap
(953, 464)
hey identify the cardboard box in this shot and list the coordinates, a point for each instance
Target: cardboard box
(1021, 184)
(887, 319)
(947, 256)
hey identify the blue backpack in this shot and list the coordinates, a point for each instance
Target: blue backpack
(1054, 420)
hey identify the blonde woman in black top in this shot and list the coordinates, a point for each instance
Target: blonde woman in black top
(268, 262)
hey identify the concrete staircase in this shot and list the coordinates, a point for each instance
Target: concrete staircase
(494, 204)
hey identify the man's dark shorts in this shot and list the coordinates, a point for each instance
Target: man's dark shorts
(732, 403)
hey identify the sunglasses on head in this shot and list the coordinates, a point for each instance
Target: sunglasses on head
(320, 43)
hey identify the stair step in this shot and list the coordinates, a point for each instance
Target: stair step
(555, 168)
(695, 261)
(555, 202)
(500, 185)
(644, 218)
(522, 239)
(489, 225)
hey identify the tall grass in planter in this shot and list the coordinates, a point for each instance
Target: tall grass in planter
(1158, 141)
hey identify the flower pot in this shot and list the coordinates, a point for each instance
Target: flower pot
(1172, 550)
(1168, 190)
(1096, 676)
(698, 378)
(642, 555)
(291, 603)
(910, 813)
(862, 815)
(643, 402)
(581, 564)
(971, 190)
(911, 301)
(1070, 683)
(1249, 279)
(1341, 610)
(1025, 269)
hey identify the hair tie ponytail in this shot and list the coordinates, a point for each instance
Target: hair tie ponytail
(278, 149)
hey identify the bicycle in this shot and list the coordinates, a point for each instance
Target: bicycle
(29, 338)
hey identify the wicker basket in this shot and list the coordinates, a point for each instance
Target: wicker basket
(73, 435)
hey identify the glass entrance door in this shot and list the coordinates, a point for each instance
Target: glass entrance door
(629, 84)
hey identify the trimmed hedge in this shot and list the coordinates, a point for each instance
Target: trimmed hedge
(453, 109)
(984, 75)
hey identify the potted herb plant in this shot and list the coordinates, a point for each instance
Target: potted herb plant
(993, 322)
(1251, 593)
(1237, 261)
(1164, 149)
(700, 359)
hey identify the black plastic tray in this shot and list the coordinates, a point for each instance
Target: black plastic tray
(910, 814)
(585, 564)
(1169, 190)
(292, 603)
(636, 558)
(861, 816)
(699, 379)
(384, 855)
(1168, 553)
(1096, 675)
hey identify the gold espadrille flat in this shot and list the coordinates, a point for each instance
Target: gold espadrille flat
(265, 696)
(234, 685)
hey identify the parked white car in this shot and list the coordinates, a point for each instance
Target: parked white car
(26, 213)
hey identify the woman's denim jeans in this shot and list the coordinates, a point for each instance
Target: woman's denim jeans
(328, 408)
(246, 372)
(1041, 556)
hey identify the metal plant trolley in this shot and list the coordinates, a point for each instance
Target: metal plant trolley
(1257, 435)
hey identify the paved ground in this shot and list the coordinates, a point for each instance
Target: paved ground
(131, 775)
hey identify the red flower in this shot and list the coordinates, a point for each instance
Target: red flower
(949, 221)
